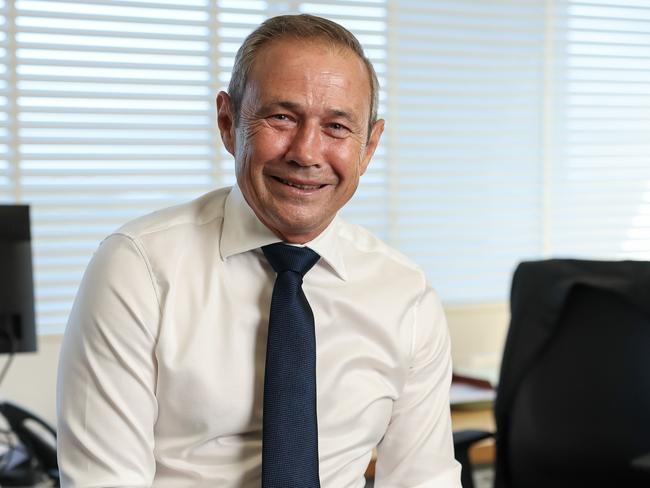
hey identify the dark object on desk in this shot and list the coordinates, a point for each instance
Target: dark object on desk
(17, 324)
(33, 457)
(574, 392)
(37, 441)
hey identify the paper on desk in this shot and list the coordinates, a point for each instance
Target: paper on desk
(462, 393)
(480, 367)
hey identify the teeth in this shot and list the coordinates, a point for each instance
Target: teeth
(301, 187)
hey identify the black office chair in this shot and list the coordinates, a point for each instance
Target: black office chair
(573, 401)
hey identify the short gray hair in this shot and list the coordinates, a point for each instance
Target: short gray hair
(300, 27)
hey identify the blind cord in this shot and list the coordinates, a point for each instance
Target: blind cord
(9, 333)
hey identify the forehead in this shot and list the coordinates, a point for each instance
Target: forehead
(311, 69)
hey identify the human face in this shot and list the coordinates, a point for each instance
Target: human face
(302, 140)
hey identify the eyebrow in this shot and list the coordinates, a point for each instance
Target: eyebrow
(342, 114)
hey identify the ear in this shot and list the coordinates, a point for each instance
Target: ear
(226, 121)
(373, 142)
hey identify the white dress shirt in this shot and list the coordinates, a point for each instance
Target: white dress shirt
(162, 366)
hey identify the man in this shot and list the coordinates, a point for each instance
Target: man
(162, 373)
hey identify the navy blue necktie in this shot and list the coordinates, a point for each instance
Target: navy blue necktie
(290, 427)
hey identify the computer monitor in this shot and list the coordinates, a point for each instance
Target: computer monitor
(17, 321)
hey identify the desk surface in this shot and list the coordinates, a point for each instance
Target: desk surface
(483, 419)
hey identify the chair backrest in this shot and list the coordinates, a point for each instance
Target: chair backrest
(573, 409)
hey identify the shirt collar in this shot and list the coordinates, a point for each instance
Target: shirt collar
(243, 231)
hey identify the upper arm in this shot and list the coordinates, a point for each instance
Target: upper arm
(106, 399)
(417, 449)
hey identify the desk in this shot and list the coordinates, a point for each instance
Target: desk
(479, 418)
(482, 419)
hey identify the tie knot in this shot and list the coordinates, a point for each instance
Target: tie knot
(284, 257)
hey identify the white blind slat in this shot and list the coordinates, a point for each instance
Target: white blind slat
(602, 152)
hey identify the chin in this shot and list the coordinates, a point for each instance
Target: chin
(297, 228)
(300, 228)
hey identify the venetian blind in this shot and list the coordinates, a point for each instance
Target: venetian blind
(466, 120)
(114, 120)
(6, 106)
(515, 129)
(600, 193)
(109, 113)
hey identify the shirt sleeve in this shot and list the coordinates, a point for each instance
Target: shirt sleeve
(106, 401)
(417, 449)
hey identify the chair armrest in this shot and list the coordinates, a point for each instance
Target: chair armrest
(642, 464)
(463, 440)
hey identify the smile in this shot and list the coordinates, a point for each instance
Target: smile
(300, 187)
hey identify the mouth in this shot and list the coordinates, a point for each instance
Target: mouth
(298, 185)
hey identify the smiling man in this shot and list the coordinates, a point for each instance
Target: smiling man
(300, 135)
(253, 337)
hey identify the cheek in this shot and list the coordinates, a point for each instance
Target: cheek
(266, 146)
(346, 162)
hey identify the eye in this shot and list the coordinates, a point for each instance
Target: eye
(336, 129)
(280, 120)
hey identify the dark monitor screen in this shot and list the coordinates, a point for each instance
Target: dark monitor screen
(17, 322)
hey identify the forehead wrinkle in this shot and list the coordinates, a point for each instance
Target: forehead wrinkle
(315, 89)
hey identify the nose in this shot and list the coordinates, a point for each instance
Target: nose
(305, 148)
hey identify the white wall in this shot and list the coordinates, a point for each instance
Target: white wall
(31, 380)
(477, 334)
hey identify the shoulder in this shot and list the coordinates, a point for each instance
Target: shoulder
(176, 236)
(206, 210)
(364, 249)
(359, 240)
